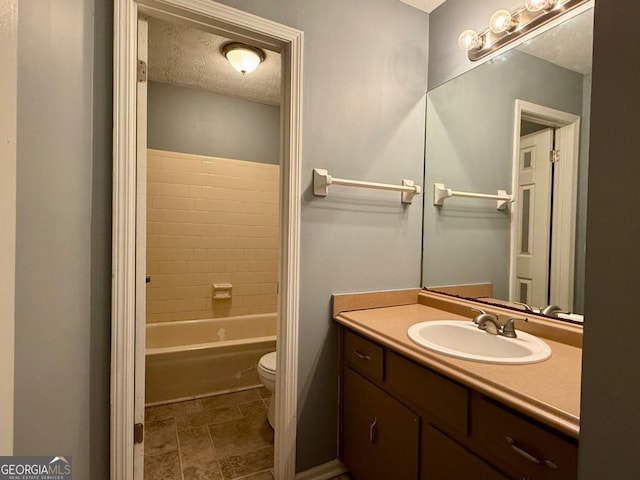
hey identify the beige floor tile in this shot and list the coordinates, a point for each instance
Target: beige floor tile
(263, 392)
(252, 408)
(241, 436)
(208, 417)
(241, 465)
(195, 446)
(230, 399)
(160, 437)
(162, 412)
(165, 466)
(266, 475)
(203, 471)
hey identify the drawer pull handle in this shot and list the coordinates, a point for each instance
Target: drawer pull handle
(528, 456)
(362, 356)
(373, 431)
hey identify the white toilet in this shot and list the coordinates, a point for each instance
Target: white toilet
(267, 373)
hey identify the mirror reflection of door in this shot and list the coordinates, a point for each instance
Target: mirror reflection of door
(545, 168)
(534, 195)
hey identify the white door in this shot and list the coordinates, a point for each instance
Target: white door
(141, 244)
(534, 210)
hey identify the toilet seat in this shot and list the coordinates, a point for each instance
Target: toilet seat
(268, 362)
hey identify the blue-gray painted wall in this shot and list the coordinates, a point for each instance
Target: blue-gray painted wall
(194, 121)
(363, 117)
(364, 98)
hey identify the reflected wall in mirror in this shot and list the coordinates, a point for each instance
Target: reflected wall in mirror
(486, 130)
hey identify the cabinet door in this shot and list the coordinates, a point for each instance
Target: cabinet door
(444, 459)
(380, 435)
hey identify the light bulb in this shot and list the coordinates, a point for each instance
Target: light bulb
(469, 40)
(502, 21)
(243, 58)
(537, 5)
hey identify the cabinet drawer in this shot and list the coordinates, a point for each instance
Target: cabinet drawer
(363, 355)
(444, 459)
(533, 450)
(443, 399)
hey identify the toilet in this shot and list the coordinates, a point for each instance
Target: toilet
(267, 373)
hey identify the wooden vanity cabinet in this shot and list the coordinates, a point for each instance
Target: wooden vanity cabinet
(380, 435)
(445, 459)
(400, 420)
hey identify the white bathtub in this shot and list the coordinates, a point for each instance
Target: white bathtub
(201, 357)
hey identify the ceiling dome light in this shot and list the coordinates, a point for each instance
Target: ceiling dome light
(244, 58)
(502, 21)
(537, 5)
(469, 40)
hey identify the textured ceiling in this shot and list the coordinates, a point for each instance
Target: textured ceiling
(187, 57)
(569, 45)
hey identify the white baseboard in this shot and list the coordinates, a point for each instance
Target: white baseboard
(323, 472)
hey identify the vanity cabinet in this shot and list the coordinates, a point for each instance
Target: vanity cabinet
(380, 434)
(401, 420)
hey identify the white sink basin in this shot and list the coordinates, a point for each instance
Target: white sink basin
(462, 339)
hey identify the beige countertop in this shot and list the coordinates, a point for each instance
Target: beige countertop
(548, 391)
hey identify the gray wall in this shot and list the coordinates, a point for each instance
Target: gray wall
(195, 121)
(364, 83)
(448, 21)
(364, 90)
(469, 145)
(610, 418)
(63, 233)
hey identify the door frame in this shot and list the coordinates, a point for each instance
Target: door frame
(565, 190)
(235, 24)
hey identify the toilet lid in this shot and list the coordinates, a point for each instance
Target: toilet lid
(268, 362)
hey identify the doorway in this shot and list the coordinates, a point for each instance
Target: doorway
(129, 270)
(543, 220)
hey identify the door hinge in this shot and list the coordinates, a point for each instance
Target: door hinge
(554, 156)
(142, 71)
(138, 433)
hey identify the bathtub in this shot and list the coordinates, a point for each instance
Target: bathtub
(193, 358)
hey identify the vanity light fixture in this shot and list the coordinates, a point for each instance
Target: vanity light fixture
(243, 58)
(537, 5)
(470, 40)
(506, 27)
(502, 21)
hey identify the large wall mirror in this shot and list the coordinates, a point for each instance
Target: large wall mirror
(517, 123)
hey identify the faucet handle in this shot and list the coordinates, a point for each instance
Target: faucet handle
(476, 320)
(509, 330)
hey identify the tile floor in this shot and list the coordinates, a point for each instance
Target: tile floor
(223, 437)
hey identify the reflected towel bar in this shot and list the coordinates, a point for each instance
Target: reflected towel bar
(441, 193)
(322, 180)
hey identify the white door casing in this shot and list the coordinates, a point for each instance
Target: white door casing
(565, 198)
(141, 243)
(235, 24)
(534, 197)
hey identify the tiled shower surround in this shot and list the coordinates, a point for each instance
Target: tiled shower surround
(210, 220)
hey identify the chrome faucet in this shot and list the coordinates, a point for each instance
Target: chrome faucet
(486, 321)
(490, 324)
(527, 308)
(552, 311)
